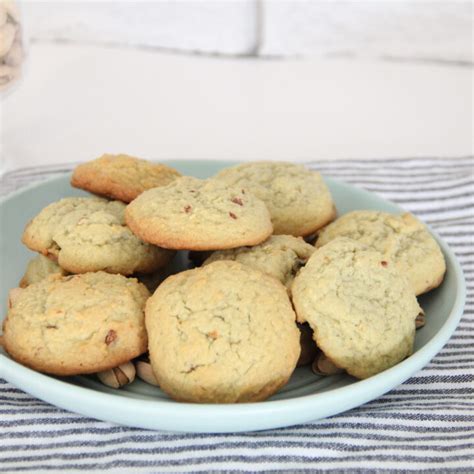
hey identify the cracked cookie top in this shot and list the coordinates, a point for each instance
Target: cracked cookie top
(222, 333)
(298, 199)
(195, 214)
(90, 234)
(402, 239)
(280, 256)
(361, 309)
(77, 324)
(121, 177)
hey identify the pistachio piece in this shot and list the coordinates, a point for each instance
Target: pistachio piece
(111, 337)
(420, 320)
(7, 36)
(118, 376)
(145, 372)
(322, 365)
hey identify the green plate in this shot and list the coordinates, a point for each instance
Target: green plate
(305, 398)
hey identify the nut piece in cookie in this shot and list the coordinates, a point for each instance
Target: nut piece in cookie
(121, 177)
(195, 214)
(39, 268)
(362, 312)
(90, 234)
(222, 333)
(77, 324)
(402, 240)
(280, 256)
(298, 199)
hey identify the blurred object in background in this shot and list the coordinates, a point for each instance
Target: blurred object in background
(211, 27)
(386, 29)
(12, 44)
(191, 79)
(413, 30)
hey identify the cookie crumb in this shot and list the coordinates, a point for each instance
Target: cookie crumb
(238, 201)
(231, 214)
(111, 336)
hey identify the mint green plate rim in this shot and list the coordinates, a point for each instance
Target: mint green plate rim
(207, 418)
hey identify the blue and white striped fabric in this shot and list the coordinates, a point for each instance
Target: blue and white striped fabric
(424, 425)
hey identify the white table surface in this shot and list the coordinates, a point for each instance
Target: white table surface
(79, 101)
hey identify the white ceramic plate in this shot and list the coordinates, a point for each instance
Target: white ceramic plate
(305, 398)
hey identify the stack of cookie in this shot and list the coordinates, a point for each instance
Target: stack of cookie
(260, 301)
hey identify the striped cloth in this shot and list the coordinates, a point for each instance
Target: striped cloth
(424, 425)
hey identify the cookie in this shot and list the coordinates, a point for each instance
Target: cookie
(361, 309)
(121, 177)
(89, 234)
(196, 214)
(280, 256)
(402, 239)
(39, 268)
(77, 324)
(222, 333)
(298, 199)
